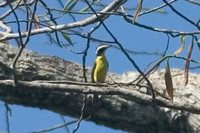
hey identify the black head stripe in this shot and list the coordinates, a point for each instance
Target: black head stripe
(101, 51)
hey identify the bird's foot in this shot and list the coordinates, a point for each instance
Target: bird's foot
(94, 99)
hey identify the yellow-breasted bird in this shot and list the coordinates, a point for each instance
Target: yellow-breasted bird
(100, 67)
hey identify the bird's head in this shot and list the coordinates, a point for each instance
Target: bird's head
(101, 49)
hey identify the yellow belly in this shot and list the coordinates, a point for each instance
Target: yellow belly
(101, 69)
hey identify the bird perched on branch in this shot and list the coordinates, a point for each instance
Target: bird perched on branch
(100, 67)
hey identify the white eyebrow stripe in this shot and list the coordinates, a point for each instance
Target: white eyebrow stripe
(101, 47)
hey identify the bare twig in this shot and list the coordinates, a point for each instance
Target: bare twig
(167, 46)
(156, 8)
(64, 121)
(17, 21)
(9, 11)
(173, 33)
(53, 20)
(181, 15)
(82, 113)
(197, 41)
(31, 23)
(155, 64)
(8, 113)
(55, 127)
(22, 44)
(194, 2)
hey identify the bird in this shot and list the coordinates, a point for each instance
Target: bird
(100, 67)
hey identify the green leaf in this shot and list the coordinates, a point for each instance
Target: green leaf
(87, 7)
(49, 22)
(66, 36)
(51, 38)
(181, 48)
(69, 5)
(160, 11)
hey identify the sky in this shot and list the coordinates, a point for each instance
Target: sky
(27, 119)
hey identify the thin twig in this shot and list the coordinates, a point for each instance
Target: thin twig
(193, 2)
(197, 41)
(64, 121)
(30, 25)
(82, 113)
(155, 67)
(6, 14)
(167, 46)
(55, 127)
(173, 33)
(17, 21)
(181, 15)
(8, 113)
(53, 20)
(84, 57)
(156, 8)
(22, 45)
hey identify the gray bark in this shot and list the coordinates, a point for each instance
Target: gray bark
(55, 84)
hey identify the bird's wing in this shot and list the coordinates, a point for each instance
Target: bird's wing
(92, 74)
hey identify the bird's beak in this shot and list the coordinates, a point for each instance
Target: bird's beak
(109, 46)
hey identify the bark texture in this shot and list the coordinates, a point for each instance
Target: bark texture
(124, 107)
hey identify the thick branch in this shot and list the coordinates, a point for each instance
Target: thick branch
(74, 87)
(122, 107)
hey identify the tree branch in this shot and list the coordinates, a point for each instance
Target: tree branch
(90, 20)
(74, 87)
(44, 80)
